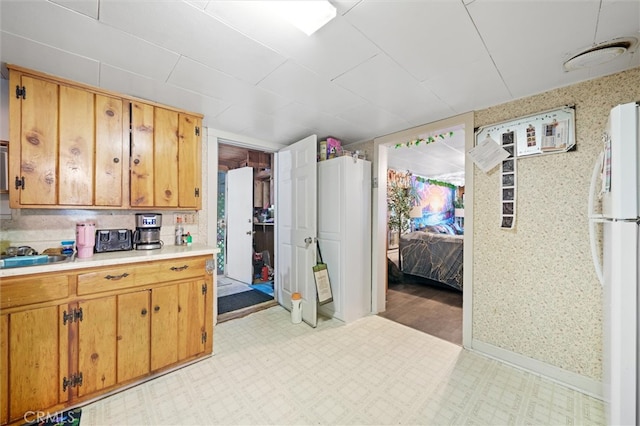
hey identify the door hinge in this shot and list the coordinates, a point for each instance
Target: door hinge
(73, 381)
(197, 192)
(204, 337)
(73, 316)
(197, 131)
(19, 182)
(21, 92)
(204, 289)
(374, 182)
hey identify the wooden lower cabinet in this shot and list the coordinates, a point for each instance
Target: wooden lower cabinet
(97, 345)
(56, 354)
(164, 326)
(133, 340)
(38, 360)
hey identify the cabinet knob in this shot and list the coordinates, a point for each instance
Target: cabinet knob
(144, 311)
(136, 161)
(156, 309)
(116, 160)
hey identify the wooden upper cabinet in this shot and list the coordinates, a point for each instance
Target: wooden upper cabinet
(166, 158)
(142, 131)
(73, 145)
(33, 163)
(166, 148)
(76, 168)
(190, 161)
(67, 144)
(112, 162)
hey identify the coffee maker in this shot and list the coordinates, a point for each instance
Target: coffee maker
(147, 233)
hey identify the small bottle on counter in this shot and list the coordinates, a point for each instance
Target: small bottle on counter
(189, 238)
(179, 231)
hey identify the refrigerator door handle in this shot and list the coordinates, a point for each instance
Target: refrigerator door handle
(595, 218)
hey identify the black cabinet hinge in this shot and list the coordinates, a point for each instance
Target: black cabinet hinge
(73, 381)
(204, 337)
(73, 316)
(19, 182)
(196, 192)
(197, 131)
(204, 289)
(21, 92)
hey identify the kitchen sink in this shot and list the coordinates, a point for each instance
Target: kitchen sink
(33, 260)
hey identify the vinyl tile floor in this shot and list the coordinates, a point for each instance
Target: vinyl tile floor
(268, 371)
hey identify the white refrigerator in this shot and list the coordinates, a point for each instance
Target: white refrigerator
(616, 260)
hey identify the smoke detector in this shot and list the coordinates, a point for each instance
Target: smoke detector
(600, 53)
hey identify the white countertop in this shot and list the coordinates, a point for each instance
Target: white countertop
(114, 258)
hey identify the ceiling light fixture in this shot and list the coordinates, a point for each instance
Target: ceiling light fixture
(600, 53)
(308, 16)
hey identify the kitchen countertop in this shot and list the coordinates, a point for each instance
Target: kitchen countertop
(114, 258)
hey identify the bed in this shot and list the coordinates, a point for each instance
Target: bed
(432, 255)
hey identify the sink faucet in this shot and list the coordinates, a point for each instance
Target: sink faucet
(21, 251)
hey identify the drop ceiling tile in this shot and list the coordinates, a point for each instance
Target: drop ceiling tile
(262, 126)
(84, 36)
(426, 38)
(378, 120)
(529, 52)
(121, 81)
(194, 34)
(198, 78)
(86, 7)
(301, 85)
(385, 84)
(323, 124)
(329, 52)
(26, 53)
(618, 19)
(469, 88)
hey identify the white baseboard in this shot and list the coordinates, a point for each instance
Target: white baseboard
(570, 379)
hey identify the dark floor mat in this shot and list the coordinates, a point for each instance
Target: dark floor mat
(233, 302)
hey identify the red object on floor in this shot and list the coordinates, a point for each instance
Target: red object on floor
(265, 273)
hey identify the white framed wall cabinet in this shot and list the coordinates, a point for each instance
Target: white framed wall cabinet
(344, 235)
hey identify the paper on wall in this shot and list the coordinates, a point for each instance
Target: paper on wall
(487, 154)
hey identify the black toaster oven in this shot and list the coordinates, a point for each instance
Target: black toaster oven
(113, 240)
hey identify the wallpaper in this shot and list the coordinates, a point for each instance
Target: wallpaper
(535, 291)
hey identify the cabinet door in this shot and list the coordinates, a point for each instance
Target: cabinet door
(75, 164)
(142, 176)
(166, 158)
(191, 318)
(97, 345)
(164, 326)
(110, 158)
(38, 341)
(133, 340)
(38, 153)
(190, 161)
(4, 367)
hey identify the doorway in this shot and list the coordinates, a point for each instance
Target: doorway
(384, 148)
(245, 230)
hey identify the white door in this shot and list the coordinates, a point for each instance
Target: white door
(240, 224)
(296, 225)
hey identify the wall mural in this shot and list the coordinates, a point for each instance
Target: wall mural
(436, 201)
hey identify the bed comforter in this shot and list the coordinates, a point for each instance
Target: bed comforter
(437, 257)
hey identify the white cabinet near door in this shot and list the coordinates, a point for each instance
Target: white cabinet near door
(344, 234)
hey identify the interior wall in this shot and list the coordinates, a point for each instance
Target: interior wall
(535, 291)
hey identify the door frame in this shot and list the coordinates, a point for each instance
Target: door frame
(210, 192)
(379, 219)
